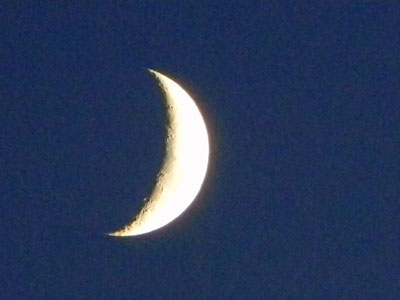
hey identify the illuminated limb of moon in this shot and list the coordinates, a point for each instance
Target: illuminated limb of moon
(184, 166)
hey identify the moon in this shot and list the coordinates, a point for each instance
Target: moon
(184, 166)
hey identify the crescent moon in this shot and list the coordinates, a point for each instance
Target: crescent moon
(184, 166)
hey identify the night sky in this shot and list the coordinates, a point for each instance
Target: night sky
(302, 103)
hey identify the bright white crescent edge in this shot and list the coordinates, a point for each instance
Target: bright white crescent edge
(185, 163)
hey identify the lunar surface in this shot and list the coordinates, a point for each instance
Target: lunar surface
(184, 166)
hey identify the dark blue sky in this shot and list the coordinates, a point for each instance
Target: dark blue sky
(302, 104)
